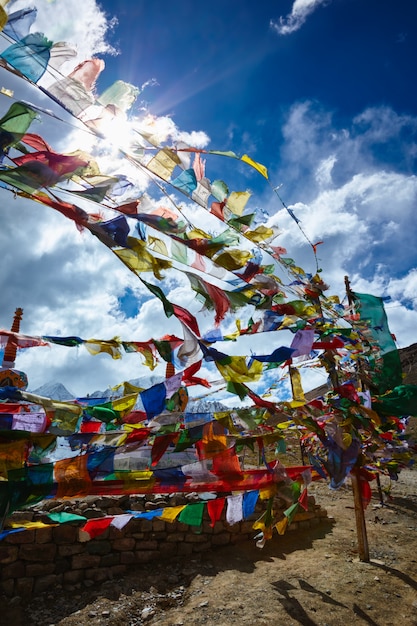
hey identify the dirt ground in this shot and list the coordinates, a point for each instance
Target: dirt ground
(310, 577)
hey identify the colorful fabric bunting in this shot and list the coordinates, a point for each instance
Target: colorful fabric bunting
(144, 441)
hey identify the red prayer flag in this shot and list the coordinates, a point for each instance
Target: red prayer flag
(303, 499)
(96, 527)
(160, 445)
(215, 509)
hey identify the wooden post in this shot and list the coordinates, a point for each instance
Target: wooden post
(363, 548)
(303, 460)
(378, 483)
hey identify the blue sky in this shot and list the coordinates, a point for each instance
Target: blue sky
(346, 72)
(224, 67)
(320, 91)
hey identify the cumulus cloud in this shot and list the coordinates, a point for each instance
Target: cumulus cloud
(299, 13)
(349, 192)
(85, 26)
(340, 181)
(67, 282)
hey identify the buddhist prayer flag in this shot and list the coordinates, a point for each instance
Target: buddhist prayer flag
(258, 166)
(30, 55)
(298, 397)
(234, 511)
(387, 369)
(146, 440)
(250, 499)
(14, 124)
(170, 514)
(215, 508)
(192, 514)
(19, 23)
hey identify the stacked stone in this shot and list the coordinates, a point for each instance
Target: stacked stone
(33, 561)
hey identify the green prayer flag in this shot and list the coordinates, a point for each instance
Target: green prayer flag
(388, 372)
(237, 388)
(168, 308)
(187, 438)
(244, 220)
(63, 517)
(104, 412)
(192, 514)
(402, 400)
(291, 511)
(164, 350)
(15, 123)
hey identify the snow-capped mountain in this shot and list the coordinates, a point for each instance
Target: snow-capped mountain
(55, 391)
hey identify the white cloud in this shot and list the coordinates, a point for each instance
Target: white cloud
(299, 13)
(338, 180)
(358, 202)
(85, 25)
(67, 282)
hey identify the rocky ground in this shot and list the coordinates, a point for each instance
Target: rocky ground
(312, 578)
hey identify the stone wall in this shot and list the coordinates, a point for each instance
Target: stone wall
(33, 561)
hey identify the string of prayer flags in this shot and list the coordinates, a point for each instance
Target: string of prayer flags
(147, 440)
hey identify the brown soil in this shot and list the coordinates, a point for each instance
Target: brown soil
(311, 577)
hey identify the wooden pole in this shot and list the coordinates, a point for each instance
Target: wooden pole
(378, 483)
(303, 460)
(363, 547)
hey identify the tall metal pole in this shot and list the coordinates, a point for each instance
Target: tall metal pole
(363, 547)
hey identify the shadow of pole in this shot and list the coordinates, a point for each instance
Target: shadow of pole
(395, 572)
(361, 613)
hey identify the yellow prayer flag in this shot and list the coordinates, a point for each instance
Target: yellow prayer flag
(12, 456)
(237, 201)
(3, 14)
(164, 163)
(129, 388)
(259, 525)
(232, 336)
(158, 246)
(225, 419)
(114, 439)
(297, 389)
(171, 513)
(238, 371)
(261, 233)
(282, 525)
(288, 320)
(111, 347)
(257, 166)
(140, 481)
(125, 405)
(268, 492)
(347, 440)
(233, 259)
(138, 259)
(197, 233)
(31, 525)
